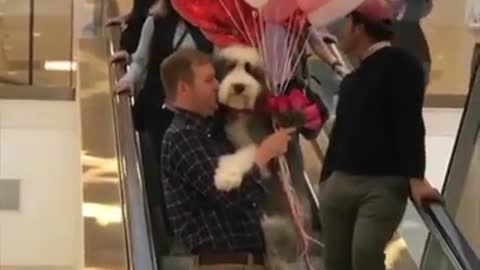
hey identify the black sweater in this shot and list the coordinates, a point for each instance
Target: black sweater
(379, 129)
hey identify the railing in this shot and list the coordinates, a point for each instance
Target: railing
(139, 240)
(443, 229)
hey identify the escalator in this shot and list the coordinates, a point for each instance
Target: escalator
(144, 241)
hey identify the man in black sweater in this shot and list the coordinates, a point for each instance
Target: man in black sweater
(376, 155)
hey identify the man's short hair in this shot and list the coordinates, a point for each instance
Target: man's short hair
(179, 67)
(377, 30)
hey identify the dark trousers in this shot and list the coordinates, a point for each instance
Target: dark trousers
(359, 216)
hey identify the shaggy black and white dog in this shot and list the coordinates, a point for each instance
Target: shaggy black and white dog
(242, 90)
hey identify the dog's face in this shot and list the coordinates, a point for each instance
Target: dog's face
(241, 75)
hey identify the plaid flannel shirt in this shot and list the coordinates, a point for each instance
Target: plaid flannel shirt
(202, 217)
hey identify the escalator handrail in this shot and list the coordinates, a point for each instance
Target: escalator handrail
(435, 216)
(140, 247)
(452, 241)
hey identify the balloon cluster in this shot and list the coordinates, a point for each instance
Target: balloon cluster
(227, 22)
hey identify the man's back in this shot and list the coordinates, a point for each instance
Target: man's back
(379, 116)
(203, 218)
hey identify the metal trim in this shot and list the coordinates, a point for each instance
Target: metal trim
(8, 91)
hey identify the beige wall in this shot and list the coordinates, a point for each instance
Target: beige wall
(451, 47)
(39, 146)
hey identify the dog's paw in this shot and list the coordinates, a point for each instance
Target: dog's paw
(231, 168)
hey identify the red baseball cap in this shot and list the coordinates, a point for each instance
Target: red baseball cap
(375, 11)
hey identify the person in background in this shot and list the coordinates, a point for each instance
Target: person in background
(409, 33)
(221, 229)
(376, 157)
(131, 24)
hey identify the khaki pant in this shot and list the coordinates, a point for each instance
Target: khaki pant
(360, 215)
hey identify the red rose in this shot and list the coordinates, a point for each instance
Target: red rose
(311, 113)
(283, 104)
(314, 124)
(298, 100)
(271, 105)
(278, 104)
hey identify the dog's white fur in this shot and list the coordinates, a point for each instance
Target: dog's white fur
(280, 236)
(240, 55)
(231, 168)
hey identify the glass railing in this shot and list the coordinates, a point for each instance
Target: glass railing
(451, 250)
(461, 188)
(36, 41)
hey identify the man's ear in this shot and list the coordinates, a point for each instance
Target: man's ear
(182, 87)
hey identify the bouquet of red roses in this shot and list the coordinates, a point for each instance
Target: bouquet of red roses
(295, 110)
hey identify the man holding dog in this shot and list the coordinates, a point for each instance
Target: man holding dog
(221, 228)
(376, 156)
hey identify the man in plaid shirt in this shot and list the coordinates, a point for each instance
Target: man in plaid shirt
(205, 219)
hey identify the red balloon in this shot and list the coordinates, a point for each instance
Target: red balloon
(225, 22)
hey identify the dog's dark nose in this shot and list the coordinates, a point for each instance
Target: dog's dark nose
(238, 88)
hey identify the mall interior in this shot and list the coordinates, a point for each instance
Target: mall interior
(72, 168)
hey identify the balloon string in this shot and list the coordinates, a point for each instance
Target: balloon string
(288, 58)
(296, 209)
(274, 54)
(264, 46)
(293, 52)
(299, 56)
(287, 63)
(244, 22)
(233, 19)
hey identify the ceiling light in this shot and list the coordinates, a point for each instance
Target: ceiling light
(60, 65)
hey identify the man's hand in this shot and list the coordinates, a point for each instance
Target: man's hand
(123, 86)
(421, 192)
(120, 56)
(319, 47)
(118, 21)
(273, 146)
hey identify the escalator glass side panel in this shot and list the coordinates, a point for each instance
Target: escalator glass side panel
(447, 247)
(462, 185)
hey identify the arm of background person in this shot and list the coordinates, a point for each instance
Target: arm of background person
(136, 73)
(141, 7)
